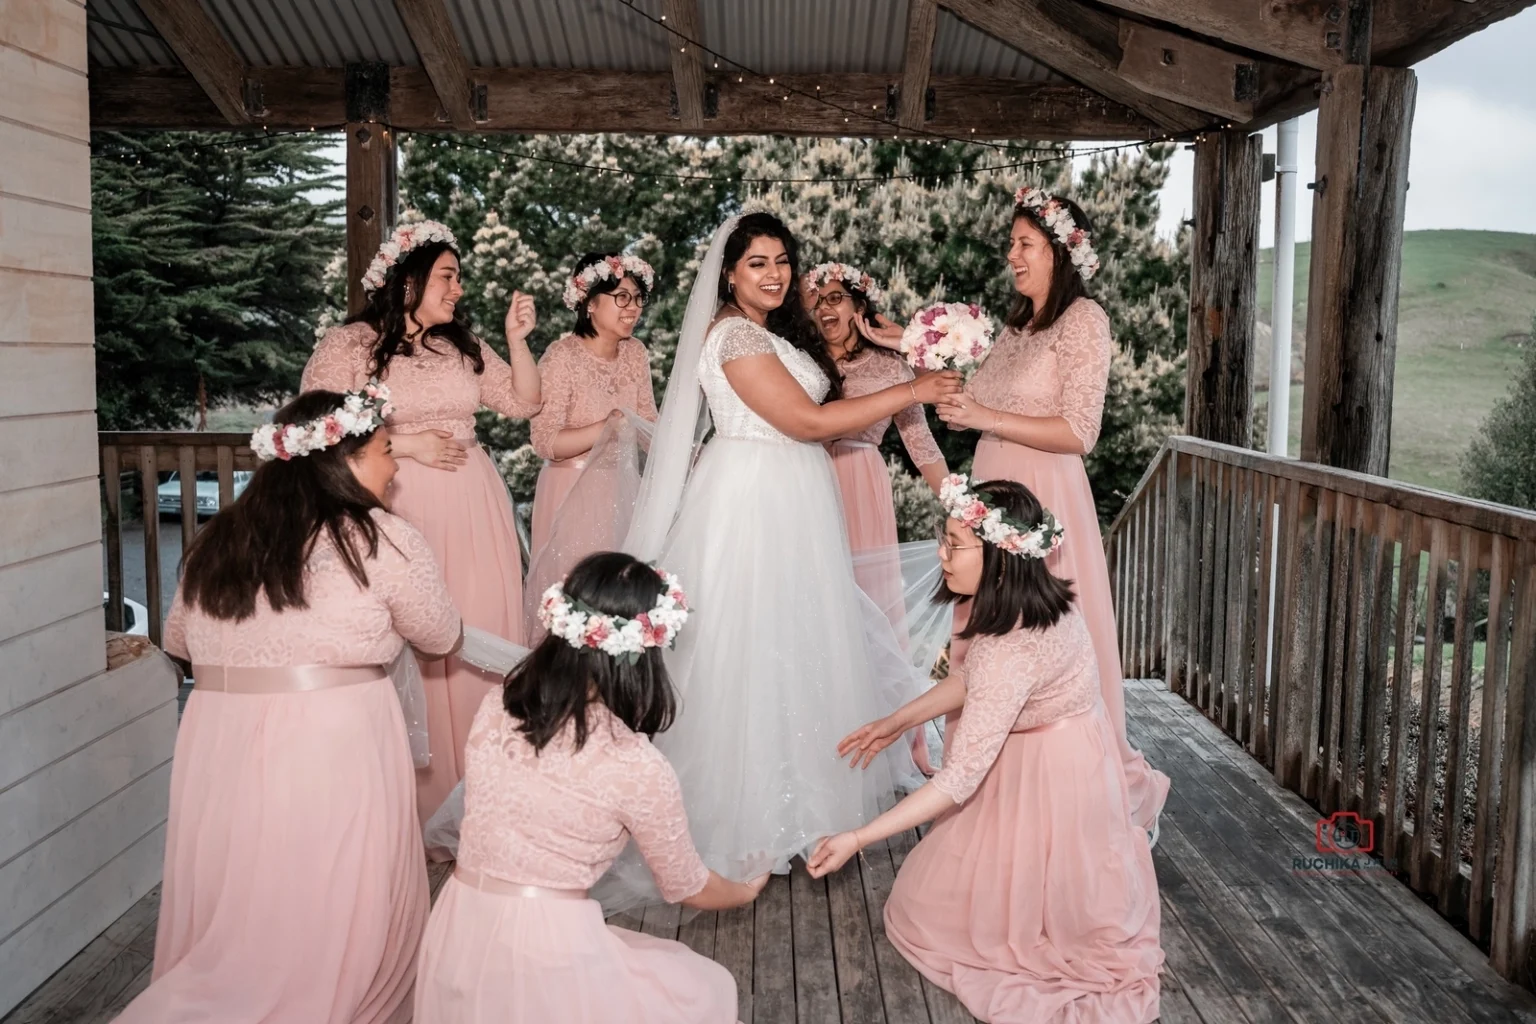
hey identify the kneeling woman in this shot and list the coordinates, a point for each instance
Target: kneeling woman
(295, 881)
(559, 774)
(1033, 896)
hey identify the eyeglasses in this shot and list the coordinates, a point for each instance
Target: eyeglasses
(829, 299)
(626, 299)
(945, 547)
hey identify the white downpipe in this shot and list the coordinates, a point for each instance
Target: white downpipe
(1280, 341)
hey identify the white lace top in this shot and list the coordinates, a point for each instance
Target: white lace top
(736, 338)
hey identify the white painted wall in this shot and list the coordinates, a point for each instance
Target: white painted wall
(84, 754)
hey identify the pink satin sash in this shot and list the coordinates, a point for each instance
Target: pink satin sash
(501, 887)
(283, 678)
(1059, 723)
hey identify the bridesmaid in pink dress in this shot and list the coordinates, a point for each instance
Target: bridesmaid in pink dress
(439, 374)
(1038, 400)
(295, 883)
(1033, 898)
(561, 775)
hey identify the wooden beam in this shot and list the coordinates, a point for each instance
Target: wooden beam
(1174, 66)
(371, 201)
(1223, 287)
(1079, 42)
(682, 17)
(1297, 32)
(1404, 32)
(426, 21)
(917, 62)
(548, 101)
(202, 49)
(1363, 131)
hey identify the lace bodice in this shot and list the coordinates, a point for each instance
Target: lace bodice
(345, 624)
(435, 388)
(875, 370)
(579, 388)
(559, 818)
(1060, 371)
(1014, 682)
(735, 338)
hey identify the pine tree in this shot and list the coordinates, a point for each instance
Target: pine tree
(1500, 464)
(208, 256)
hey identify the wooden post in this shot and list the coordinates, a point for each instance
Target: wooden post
(371, 192)
(1363, 128)
(1223, 290)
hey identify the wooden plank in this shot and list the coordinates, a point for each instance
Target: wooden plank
(1176, 562)
(1141, 663)
(1341, 574)
(943, 1007)
(149, 483)
(734, 940)
(43, 95)
(442, 57)
(682, 18)
(1404, 32)
(46, 590)
(1362, 602)
(1210, 515)
(371, 198)
(1489, 782)
(1387, 525)
(917, 62)
(190, 32)
(1287, 744)
(115, 986)
(1514, 911)
(45, 310)
(901, 988)
(1449, 893)
(1310, 686)
(1364, 123)
(1220, 564)
(1295, 32)
(698, 931)
(663, 920)
(226, 471)
(1174, 1006)
(53, 31)
(1200, 987)
(43, 520)
(1421, 862)
(1395, 806)
(853, 949)
(187, 476)
(815, 975)
(1235, 599)
(45, 660)
(1157, 583)
(44, 238)
(1186, 70)
(41, 379)
(1267, 491)
(774, 956)
(57, 169)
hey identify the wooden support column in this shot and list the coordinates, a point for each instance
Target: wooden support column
(687, 61)
(371, 191)
(1223, 287)
(917, 62)
(1363, 127)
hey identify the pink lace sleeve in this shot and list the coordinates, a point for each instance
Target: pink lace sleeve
(651, 808)
(173, 637)
(406, 576)
(496, 390)
(556, 385)
(339, 362)
(1083, 350)
(912, 425)
(642, 372)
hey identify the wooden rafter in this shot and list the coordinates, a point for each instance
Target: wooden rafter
(1297, 32)
(917, 62)
(1404, 32)
(426, 21)
(682, 17)
(202, 49)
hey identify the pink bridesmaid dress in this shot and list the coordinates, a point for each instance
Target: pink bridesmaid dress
(1034, 900)
(1063, 371)
(580, 388)
(295, 882)
(465, 514)
(866, 484)
(514, 937)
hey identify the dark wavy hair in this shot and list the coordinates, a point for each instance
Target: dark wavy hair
(584, 327)
(387, 307)
(790, 321)
(1015, 592)
(261, 543)
(556, 683)
(1067, 285)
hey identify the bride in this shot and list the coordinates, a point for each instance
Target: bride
(789, 655)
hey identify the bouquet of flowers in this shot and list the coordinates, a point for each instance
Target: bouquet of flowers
(947, 336)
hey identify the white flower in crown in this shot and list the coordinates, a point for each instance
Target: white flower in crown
(850, 276)
(1053, 213)
(947, 336)
(965, 506)
(361, 412)
(398, 245)
(586, 628)
(608, 268)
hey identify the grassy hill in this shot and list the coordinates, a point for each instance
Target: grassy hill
(1466, 304)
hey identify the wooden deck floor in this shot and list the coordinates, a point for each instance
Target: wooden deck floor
(1248, 939)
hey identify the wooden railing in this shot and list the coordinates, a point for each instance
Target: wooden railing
(1385, 600)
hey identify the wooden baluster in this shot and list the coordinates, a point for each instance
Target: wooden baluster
(1357, 644)
(1489, 788)
(1176, 577)
(1448, 889)
(1263, 682)
(112, 533)
(1194, 670)
(1308, 692)
(1139, 592)
(1157, 623)
(1330, 701)
(1220, 596)
(149, 482)
(1212, 515)
(1421, 869)
(1514, 906)
(1239, 579)
(1285, 753)
(1394, 837)
(1387, 525)
(186, 468)
(226, 463)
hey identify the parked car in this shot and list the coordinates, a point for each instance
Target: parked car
(169, 499)
(135, 615)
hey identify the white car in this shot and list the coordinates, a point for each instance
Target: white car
(135, 615)
(169, 498)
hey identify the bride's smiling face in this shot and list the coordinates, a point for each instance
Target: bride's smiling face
(762, 277)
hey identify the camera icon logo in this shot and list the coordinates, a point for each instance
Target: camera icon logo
(1345, 834)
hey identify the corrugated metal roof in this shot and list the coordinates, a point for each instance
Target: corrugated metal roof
(136, 43)
(587, 34)
(959, 49)
(808, 36)
(313, 33)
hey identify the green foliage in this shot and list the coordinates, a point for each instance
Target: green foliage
(1500, 463)
(208, 256)
(917, 507)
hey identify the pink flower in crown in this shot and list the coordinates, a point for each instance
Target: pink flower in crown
(596, 632)
(973, 513)
(652, 635)
(277, 444)
(1075, 238)
(332, 430)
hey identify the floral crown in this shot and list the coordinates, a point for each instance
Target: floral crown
(360, 412)
(850, 276)
(609, 267)
(398, 245)
(586, 628)
(994, 525)
(1055, 215)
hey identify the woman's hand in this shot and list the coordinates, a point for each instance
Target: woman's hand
(962, 412)
(522, 317)
(435, 448)
(934, 388)
(832, 853)
(883, 333)
(866, 742)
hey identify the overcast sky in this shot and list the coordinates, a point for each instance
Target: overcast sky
(1472, 160)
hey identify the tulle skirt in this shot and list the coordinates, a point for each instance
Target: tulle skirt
(865, 486)
(295, 887)
(1061, 484)
(1035, 901)
(490, 958)
(783, 657)
(466, 517)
